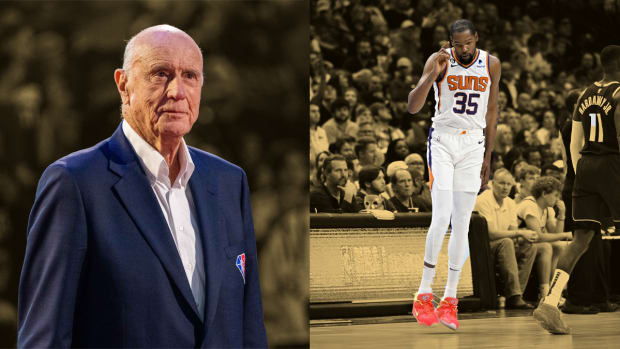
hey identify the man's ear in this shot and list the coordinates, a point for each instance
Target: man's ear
(120, 77)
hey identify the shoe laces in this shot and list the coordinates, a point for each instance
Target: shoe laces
(450, 306)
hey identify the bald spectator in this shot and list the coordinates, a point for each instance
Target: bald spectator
(512, 248)
(402, 185)
(330, 197)
(340, 126)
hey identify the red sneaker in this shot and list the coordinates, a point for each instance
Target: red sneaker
(446, 312)
(424, 310)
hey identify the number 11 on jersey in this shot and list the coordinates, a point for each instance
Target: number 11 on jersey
(595, 119)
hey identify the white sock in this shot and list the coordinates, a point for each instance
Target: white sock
(428, 274)
(560, 278)
(452, 284)
(544, 290)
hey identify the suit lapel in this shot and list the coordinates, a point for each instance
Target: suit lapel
(136, 194)
(204, 190)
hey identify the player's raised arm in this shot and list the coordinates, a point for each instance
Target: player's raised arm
(491, 118)
(434, 65)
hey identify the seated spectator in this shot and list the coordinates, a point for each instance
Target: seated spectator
(548, 129)
(415, 162)
(384, 131)
(533, 156)
(362, 115)
(330, 196)
(391, 169)
(421, 192)
(536, 213)
(316, 169)
(503, 139)
(512, 248)
(402, 185)
(318, 137)
(340, 126)
(366, 130)
(367, 152)
(344, 147)
(527, 175)
(397, 151)
(372, 183)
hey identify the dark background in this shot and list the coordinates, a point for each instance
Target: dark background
(57, 95)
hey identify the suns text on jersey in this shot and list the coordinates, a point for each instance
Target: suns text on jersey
(467, 82)
(595, 100)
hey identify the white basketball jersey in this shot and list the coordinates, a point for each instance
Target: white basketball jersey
(462, 92)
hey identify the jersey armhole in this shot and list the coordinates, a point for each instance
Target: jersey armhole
(443, 73)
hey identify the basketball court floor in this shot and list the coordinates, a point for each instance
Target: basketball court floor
(492, 329)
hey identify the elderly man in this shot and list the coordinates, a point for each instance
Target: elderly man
(142, 241)
(512, 248)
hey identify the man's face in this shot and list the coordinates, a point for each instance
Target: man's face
(549, 120)
(529, 180)
(315, 114)
(534, 158)
(385, 114)
(464, 44)
(342, 114)
(377, 186)
(348, 150)
(552, 198)
(502, 185)
(161, 91)
(367, 156)
(337, 176)
(502, 100)
(351, 97)
(366, 130)
(401, 149)
(417, 165)
(403, 186)
(330, 93)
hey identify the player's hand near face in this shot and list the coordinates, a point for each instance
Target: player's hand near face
(440, 60)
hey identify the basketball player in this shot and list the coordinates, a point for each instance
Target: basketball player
(596, 192)
(466, 84)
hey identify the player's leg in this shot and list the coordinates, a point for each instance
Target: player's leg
(458, 246)
(544, 253)
(466, 182)
(441, 171)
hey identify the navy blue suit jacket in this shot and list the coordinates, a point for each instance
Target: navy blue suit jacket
(101, 268)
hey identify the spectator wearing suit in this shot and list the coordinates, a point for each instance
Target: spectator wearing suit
(511, 247)
(402, 185)
(330, 197)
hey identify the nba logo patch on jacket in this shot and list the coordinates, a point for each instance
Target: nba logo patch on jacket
(241, 265)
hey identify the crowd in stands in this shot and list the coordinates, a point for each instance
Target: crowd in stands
(367, 55)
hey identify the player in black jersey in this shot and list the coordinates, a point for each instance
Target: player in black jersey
(596, 192)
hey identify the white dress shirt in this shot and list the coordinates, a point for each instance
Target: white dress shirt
(177, 205)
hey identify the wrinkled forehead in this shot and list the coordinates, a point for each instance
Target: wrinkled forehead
(168, 47)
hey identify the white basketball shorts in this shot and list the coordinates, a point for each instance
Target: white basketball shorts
(454, 158)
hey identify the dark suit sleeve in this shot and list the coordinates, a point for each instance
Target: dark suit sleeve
(254, 335)
(55, 250)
